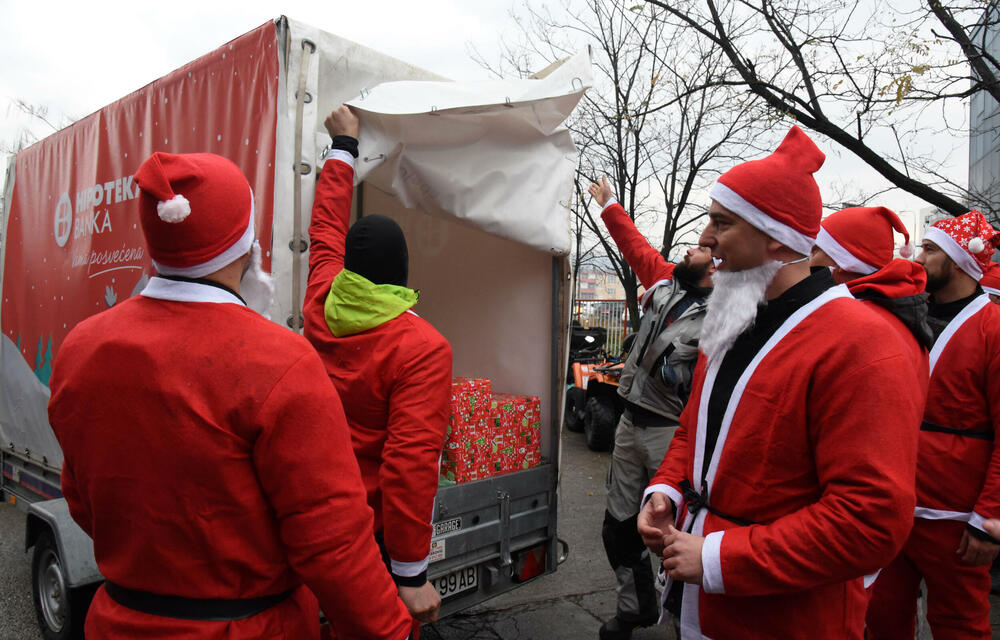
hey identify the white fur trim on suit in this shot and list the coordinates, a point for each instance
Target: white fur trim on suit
(174, 209)
(666, 490)
(871, 578)
(977, 521)
(841, 255)
(176, 291)
(926, 513)
(794, 240)
(956, 323)
(991, 290)
(711, 563)
(239, 248)
(950, 246)
(409, 569)
(342, 156)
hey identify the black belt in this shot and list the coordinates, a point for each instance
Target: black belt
(698, 501)
(645, 419)
(191, 608)
(978, 434)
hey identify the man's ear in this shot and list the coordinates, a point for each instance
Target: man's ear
(779, 252)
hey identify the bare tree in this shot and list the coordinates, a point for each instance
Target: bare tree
(876, 79)
(649, 123)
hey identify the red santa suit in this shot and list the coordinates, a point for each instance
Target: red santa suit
(207, 456)
(395, 382)
(896, 294)
(780, 460)
(958, 477)
(801, 455)
(860, 241)
(958, 484)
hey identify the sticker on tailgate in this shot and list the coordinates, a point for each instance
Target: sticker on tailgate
(447, 526)
(437, 551)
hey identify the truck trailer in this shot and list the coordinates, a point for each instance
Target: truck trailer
(493, 271)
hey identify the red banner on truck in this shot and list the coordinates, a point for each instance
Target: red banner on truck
(73, 242)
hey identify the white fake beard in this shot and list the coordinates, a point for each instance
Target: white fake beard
(732, 307)
(256, 285)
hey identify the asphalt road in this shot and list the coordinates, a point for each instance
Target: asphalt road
(569, 604)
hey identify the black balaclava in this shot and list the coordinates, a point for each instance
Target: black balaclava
(375, 248)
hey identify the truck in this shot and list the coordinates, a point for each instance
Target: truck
(494, 277)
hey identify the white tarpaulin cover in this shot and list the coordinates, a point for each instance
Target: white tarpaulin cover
(493, 154)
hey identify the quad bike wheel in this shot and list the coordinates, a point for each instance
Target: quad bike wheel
(576, 400)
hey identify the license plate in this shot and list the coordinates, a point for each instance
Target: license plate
(456, 582)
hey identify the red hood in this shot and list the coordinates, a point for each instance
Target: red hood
(898, 279)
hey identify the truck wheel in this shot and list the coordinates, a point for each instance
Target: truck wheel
(576, 399)
(60, 610)
(599, 424)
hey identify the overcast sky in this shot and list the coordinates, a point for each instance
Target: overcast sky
(76, 57)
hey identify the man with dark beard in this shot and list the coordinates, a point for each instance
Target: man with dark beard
(958, 465)
(654, 384)
(206, 453)
(778, 473)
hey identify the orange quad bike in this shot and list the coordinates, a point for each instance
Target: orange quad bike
(592, 402)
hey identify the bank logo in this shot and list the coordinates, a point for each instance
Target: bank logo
(63, 220)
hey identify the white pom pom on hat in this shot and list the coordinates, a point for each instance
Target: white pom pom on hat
(173, 210)
(976, 245)
(906, 250)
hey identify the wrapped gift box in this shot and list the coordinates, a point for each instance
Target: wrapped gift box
(489, 433)
(467, 447)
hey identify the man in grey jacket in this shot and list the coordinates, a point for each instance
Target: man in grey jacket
(654, 385)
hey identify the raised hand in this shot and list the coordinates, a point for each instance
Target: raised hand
(601, 192)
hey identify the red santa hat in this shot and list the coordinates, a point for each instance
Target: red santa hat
(990, 282)
(196, 211)
(859, 239)
(778, 194)
(968, 239)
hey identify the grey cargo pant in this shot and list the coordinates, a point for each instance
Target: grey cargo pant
(637, 454)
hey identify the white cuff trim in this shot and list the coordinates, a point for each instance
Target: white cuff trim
(926, 513)
(871, 578)
(612, 200)
(665, 489)
(711, 563)
(844, 258)
(955, 251)
(794, 240)
(340, 154)
(409, 569)
(991, 290)
(977, 521)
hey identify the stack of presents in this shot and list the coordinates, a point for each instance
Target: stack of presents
(489, 433)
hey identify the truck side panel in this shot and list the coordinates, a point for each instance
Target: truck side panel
(73, 245)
